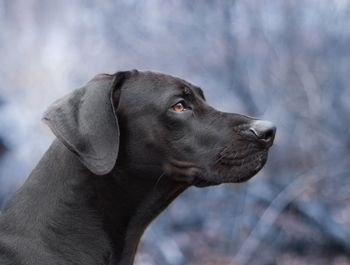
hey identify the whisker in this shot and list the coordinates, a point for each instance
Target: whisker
(158, 179)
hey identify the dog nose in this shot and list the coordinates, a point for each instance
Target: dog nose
(264, 131)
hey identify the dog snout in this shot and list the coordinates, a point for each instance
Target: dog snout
(264, 131)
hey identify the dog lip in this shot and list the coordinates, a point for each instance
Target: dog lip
(191, 173)
(239, 160)
(182, 164)
(242, 169)
(183, 171)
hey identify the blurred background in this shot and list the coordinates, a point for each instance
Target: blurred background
(285, 61)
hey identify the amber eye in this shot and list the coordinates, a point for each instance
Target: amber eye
(179, 107)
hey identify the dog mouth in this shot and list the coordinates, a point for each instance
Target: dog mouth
(230, 167)
(236, 168)
(182, 171)
(189, 173)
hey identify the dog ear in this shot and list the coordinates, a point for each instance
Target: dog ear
(85, 121)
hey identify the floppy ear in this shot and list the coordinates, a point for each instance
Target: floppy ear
(85, 122)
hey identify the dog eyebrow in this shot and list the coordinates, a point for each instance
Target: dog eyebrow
(192, 92)
(187, 90)
(188, 93)
(200, 92)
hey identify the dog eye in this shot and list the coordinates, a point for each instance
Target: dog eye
(180, 106)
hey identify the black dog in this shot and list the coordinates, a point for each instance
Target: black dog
(127, 145)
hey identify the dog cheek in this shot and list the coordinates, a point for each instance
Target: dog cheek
(207, 143)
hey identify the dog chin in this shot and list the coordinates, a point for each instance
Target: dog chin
(202, 183)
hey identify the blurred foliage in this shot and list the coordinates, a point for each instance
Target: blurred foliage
(286, 61)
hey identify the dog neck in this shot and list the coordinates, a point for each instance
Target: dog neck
(98, 219)
(130, 201)
(135, 204)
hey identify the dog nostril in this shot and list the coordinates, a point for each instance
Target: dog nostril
(263, 130)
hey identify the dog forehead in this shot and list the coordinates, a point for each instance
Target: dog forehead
(145, 85)
(159, 81)
(163, 84)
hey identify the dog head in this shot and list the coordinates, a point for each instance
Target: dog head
(151, 122)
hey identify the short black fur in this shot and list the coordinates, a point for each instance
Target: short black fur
(122, 154)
